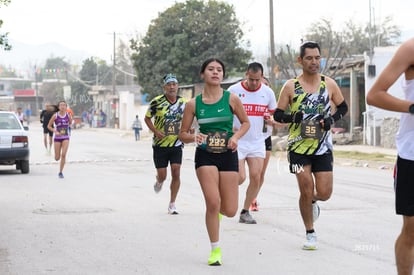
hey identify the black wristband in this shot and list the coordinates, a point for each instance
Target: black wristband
(280, 116)
(411, 109)
(342, 109)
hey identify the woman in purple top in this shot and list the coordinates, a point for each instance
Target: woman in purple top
(59, 124)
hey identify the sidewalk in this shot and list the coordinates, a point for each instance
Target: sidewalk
(146, 134)
(104, 233)
(366, 149)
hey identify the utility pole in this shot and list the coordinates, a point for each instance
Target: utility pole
(97, 74)
(371, 50)
(112, 112)
(36, 91)
(272, 46)
(113, 67)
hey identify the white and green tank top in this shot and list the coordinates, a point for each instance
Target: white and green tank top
(215, 117)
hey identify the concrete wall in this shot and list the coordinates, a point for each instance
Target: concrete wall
(389, 128)
(128, 109)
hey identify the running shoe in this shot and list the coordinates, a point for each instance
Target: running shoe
(157, 186)
(220, 216)
(311, 242)
(215, 257)
(315, 211)
(247, 218)
(60, 175)
(172, 210)
(254, 206)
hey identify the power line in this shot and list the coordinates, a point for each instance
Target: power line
(80, 80)
(124, 72)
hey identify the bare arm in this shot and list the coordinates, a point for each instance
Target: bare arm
(336, 94)
(402, 62)
(186, 134)
(151, 126)
(285, 99)
(337, 102)
(240, 113)
(285, 95)
(70, 120)
(50, 124)
(149, 123)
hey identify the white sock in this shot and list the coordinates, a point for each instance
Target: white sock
(214, 245)
(159, 182)
(172, 204)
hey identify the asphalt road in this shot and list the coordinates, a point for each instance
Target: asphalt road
(104, 217)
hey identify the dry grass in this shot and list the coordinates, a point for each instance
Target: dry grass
(355, 155)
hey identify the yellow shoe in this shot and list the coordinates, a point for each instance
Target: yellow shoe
(220, 216)
(215, 257)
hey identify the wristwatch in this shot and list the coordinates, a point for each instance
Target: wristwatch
(411, 109)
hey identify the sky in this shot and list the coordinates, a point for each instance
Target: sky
(89, 25)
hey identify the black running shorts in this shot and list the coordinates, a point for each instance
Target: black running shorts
(164, 155)
(404, 187)
(268, 143)
(319, 163)
(227, 161)
(47, 131)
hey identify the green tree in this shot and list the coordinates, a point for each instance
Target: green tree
(353, 38)
(385, 34)
(55, 68)
(95, 72)
(7, 72)
(80, 100)
(337, 46)
(4, 42)
(51, 91)
(182, 37)
(53, 77)
(89, 72)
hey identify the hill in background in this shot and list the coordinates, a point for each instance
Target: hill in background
(24, 57)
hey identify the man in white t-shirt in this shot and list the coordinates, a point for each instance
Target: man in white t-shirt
(259, 101)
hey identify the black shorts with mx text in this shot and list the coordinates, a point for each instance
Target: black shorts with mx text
(318, 163)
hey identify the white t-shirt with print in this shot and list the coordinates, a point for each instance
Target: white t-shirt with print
(256, 103)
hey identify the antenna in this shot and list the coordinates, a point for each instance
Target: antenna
(371, 51)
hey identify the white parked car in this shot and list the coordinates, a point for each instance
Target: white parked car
(14, 142)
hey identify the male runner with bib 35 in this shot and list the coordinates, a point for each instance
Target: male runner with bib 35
(311, 97)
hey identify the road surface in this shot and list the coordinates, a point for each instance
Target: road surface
(104, 217)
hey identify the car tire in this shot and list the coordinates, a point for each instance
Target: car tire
(24, 166)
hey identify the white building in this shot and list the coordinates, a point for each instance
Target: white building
(376, 132)
(120, 107)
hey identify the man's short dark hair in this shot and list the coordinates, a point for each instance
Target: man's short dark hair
(308, 45)
(255, 67)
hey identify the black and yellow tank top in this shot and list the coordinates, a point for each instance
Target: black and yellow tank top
(315, 107)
